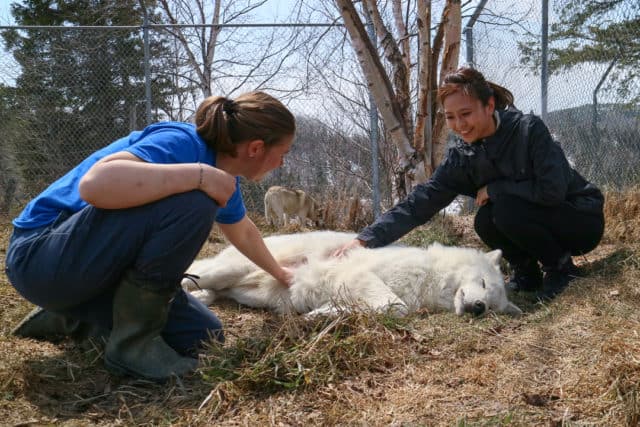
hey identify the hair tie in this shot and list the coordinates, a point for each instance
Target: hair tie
(229, 106)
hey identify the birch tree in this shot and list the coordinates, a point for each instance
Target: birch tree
(403, 87)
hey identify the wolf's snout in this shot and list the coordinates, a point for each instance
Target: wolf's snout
(478, 308)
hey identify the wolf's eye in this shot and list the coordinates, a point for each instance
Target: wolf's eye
(484, 285)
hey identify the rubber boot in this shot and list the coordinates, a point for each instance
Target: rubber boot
(41, 324)
(135, 347)
(526, 277)
(557, 277)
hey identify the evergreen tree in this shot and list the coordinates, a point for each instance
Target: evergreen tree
(595, 31)
(79, 88)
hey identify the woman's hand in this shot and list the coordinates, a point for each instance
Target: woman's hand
(218, 184)
(285, 277)
(482, 197)
(342, 251)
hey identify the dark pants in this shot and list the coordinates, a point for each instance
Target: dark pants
(74, 265)
(523, 230)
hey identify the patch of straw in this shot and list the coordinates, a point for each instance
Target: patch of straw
(299, 354)
(622, 215)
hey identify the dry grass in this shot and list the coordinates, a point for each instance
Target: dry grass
(623, 214)
(575, 361)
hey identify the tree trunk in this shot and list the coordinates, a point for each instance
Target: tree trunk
(411, 170)
(451, 24)
(423, 113)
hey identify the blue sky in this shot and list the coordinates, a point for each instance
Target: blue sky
(5, 14)
(273, 9)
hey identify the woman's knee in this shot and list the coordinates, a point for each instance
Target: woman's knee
(589, 237)
(194, 208)
(483, 222)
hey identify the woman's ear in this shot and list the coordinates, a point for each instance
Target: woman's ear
(491, 103)
(255, 148)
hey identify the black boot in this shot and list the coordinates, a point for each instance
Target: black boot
(526, 277)
(557, 277)
(135, 347)
(47, 325)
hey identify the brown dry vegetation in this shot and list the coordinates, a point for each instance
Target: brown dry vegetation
(574, 361)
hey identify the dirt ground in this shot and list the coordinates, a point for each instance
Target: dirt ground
(573, 361)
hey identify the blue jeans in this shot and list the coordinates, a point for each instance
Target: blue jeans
(74, 265)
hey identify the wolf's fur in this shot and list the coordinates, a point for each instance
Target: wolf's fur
(399, 278)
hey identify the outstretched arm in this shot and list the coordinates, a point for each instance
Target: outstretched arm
(246, 237)
(342, 250)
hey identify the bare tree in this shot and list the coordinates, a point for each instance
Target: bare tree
(219, 50)
(205, 38)
(390, 72)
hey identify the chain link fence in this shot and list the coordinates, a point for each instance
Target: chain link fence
(76, 90)
(593, 108)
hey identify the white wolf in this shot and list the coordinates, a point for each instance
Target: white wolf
(398, 278)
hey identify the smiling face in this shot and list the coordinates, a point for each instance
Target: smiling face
(468, 117)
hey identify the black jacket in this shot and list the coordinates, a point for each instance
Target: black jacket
(520, 159)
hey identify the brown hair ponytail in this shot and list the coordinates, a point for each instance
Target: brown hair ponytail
(223, 122)
(473, 83)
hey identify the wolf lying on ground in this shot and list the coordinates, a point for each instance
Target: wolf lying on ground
(397, 278)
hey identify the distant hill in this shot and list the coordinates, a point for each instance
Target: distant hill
(610, 116)
(609, 156)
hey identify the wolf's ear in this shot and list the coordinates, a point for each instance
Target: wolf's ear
(494, 256)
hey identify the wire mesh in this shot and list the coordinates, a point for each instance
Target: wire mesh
(80, 89)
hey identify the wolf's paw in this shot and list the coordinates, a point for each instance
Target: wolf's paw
(326, 310)
(204, 296)
(397, 309)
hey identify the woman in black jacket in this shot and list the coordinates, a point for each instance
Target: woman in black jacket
(533, 206)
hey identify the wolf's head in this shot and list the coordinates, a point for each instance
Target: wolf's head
(480, 286)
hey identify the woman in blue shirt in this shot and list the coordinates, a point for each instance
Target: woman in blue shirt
(102, 250)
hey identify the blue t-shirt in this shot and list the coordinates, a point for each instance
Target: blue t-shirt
(165, 142)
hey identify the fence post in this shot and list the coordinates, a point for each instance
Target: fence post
(594, 119)
(468, 31)
(9, 194)
(544, 77)
(468, 204)
(147, 68)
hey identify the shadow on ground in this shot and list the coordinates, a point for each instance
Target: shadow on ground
(610, 264)
(74, 385)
